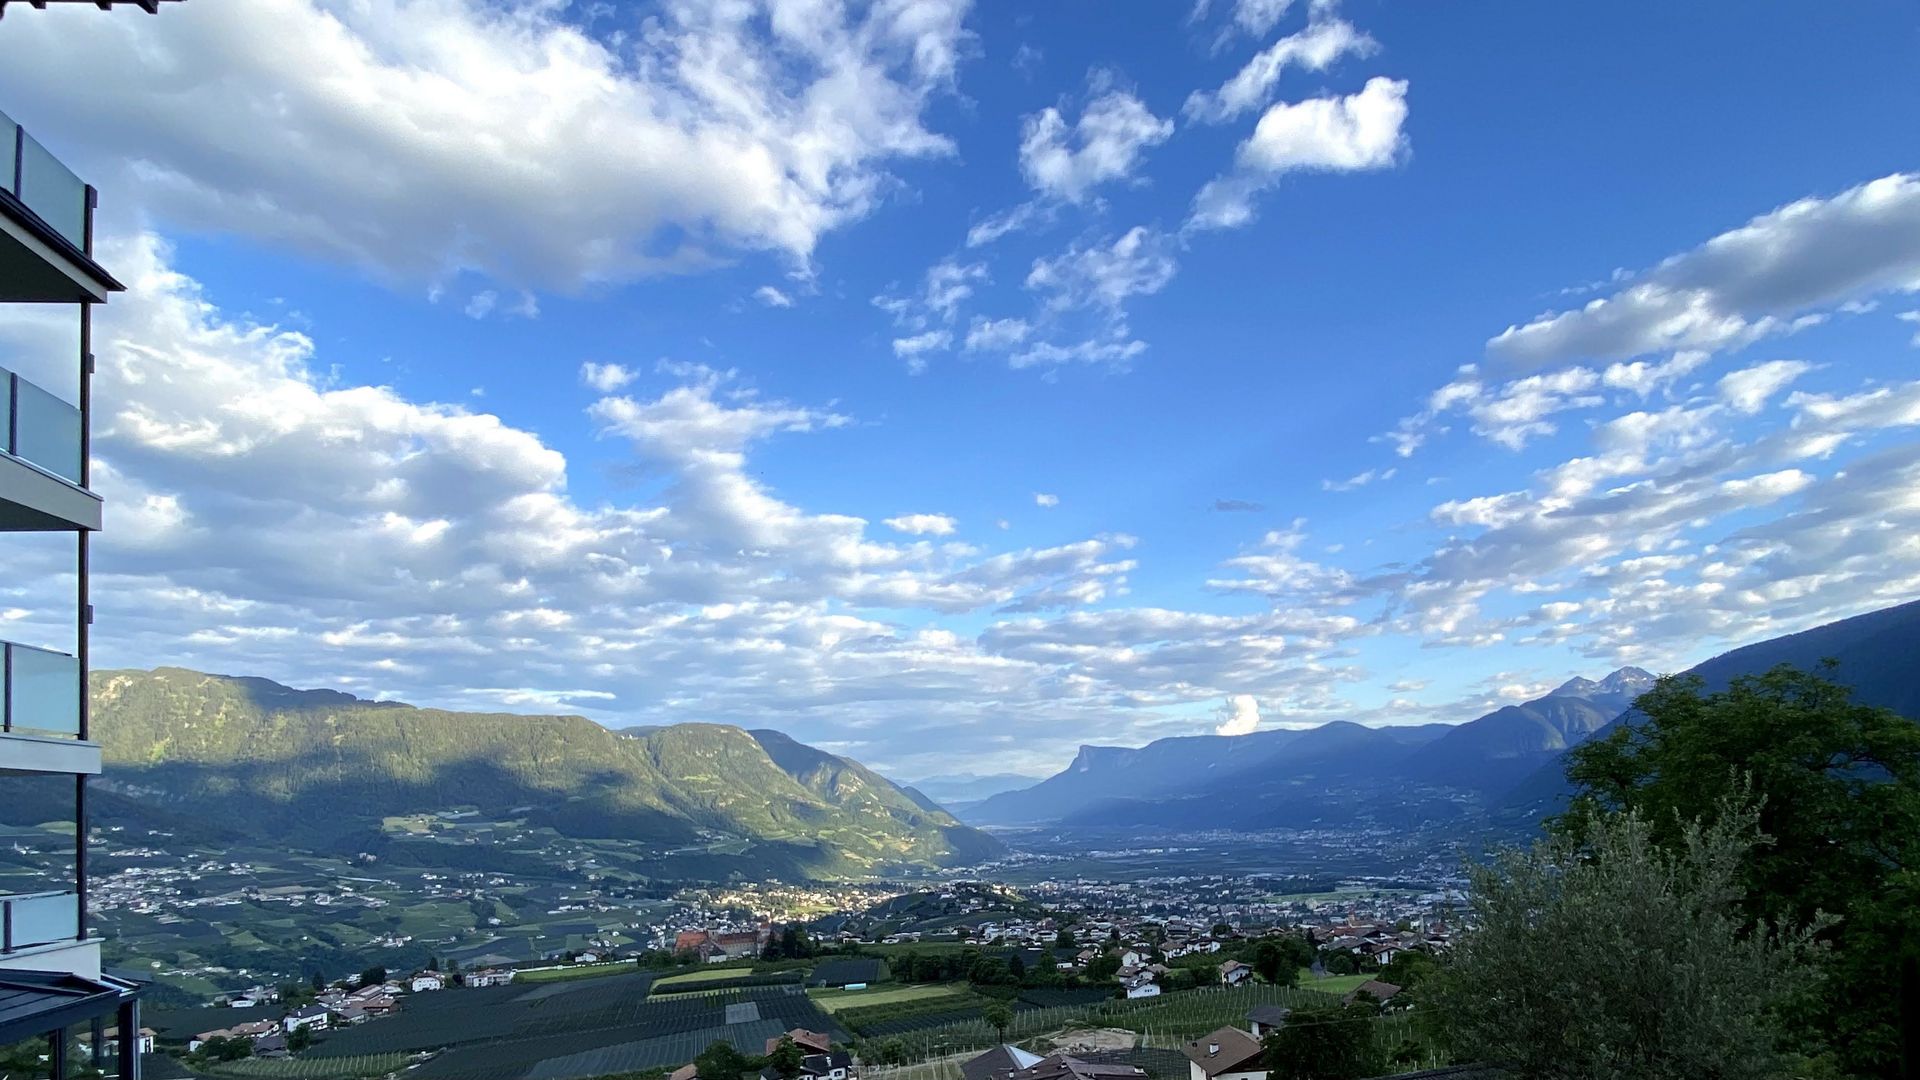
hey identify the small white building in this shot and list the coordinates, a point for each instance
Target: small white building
(316, 1017)
(426, 980)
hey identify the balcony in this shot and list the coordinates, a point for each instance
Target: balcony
(40, 715)
(46, 225)
(39, 428)
(40, 691)
(31, 920)
(41, 462)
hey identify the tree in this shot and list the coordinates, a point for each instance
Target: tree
(1340, 963)
(373, 976)
(891, 1052)
(1408, 969)
(1064, 939)
(1615, 959)
(1324, 1044)
(222, 1048)
(719, 1061)
(1103, 967)
(999, 1017)
(787, 1057)
(1017, 967)
(1278, 961)
(1221, 930)
(433, 964)
(299, 1039)
(319, 982)
(1838, 786)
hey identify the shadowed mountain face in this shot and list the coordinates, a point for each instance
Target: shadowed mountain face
(321, 768)
(1336, 773)
(1875, 654)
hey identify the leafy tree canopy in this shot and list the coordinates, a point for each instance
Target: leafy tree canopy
(1617, 959)
(1838, 786)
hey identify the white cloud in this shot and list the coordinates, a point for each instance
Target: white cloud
(947, 286)
(772, 297)
(533, 152)
(995, 226)
(1912, 317)
(922, 524)
(1239, 715)
(1359, 480)
(1744, 284)
(481, 304)
(1045, 501)
(1333, 134)
(1256, 17)
(1068, 161)
(1749, 389)
(606, 378)
(1105, 275)
(914, 349)
(1314, 49)
(996, 334)
(1112, 351)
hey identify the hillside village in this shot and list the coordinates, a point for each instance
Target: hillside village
(878, 979)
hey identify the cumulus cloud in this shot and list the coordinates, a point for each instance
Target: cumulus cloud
(1361, 131)
(1316, 48)
(1749, 389)
(1239, 715)
(1067, 161)
(1105, 275)
(922, 524)
(1045, 501)
(1742, 285)
(772, 297)
(606, 378)
(997, 334)
(532, 152)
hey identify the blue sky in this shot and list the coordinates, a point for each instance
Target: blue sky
(661, 363)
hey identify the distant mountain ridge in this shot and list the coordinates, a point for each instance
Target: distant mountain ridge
(324, 767)
(1337, 771)
(1874, 653)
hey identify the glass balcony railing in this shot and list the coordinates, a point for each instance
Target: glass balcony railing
(39, 427)
(40, 691)
(29, 919)
(48, 188)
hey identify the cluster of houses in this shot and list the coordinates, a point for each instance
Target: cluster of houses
(714, 946)
(1013, 1063)
(820, 1060)
(1229, 1053)
(1379, 941)
(332, 1007)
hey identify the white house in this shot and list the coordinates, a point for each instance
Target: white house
(1233, 973)
(309, 1016)
(426, 980)
(490, 977)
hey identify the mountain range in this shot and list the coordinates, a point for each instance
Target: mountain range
(321, 769)
(1506, 763)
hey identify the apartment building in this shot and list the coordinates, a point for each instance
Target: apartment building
(55, 1002)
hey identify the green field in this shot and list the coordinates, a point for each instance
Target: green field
(1330, 984)
(836, 1000)
(703, 975)
(583, 971)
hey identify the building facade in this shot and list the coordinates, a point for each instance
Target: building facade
(55, 1002)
